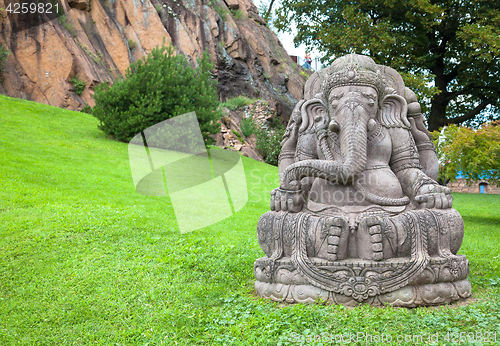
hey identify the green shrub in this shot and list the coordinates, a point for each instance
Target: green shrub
(131, 44)
(238, 135)
(237, 14)
(269, 140)
(63, 20)
(247, 127)
(237, 102)
(155, 88)
(87, 109)
(79, 85)
(4, 55)
(221, 10)
(98, 58)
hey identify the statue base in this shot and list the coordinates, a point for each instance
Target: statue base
(438, 284)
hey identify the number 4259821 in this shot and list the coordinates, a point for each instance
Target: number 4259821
(23, 8)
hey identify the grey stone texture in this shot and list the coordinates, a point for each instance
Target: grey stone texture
(359, 217)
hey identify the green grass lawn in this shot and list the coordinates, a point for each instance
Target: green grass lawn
(85, 260)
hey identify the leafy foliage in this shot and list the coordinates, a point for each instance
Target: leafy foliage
(267, 12)
(158, 87)
(4, 55)
(131, 44)
(86, 109)
(237, 102)
(453, 44)
(238, 135)
(269, 139)
(247, 126)
(237, 14)
(473, 153)
(64, 21)
(79, 85)
(221, 9)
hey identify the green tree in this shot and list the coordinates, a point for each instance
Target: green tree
(474, 153)
(454, 44)
(155, 88)
(266, 9)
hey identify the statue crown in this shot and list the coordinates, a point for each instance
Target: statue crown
(352, 69)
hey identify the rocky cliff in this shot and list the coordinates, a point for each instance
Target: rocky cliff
(96, 40)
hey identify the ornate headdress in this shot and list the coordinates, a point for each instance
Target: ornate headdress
(352, 69)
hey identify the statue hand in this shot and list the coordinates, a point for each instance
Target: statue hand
(434, 196)
(287, 200)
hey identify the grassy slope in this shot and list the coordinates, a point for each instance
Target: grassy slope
(86, 260)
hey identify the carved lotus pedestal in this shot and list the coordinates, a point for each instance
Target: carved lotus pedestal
(359, 216)
(434, 286)
(301, 264)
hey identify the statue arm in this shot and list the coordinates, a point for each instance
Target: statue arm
(288, 146)
(405, 163)
(297, 145)
(293, 200)
(422, 137)
(426, 149)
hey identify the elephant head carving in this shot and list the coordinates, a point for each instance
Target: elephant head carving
(352, 100)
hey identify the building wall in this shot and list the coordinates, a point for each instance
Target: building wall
(460, 185)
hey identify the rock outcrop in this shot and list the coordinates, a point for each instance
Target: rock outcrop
(95, 41)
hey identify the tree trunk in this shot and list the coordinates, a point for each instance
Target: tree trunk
(437, 117)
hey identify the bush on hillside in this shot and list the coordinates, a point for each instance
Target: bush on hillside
(237, 102)
(269, 139)
(247, 127)
(78, 84)
(155, 88)
(4, 55)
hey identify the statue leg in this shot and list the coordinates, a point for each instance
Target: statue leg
(269, 233)
(369, 239)
(446, 238)
(327, 237)
(443, 229)
(330, 239)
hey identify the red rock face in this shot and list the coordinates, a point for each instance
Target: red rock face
(97, 40)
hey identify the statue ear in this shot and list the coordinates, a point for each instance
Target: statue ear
(310, 110)
(393, 112)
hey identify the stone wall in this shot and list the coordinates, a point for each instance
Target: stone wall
(460, 185)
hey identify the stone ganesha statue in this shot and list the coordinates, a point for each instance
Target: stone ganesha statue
(358, 216)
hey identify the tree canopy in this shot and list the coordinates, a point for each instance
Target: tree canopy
(447, 51)
(475, 154)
